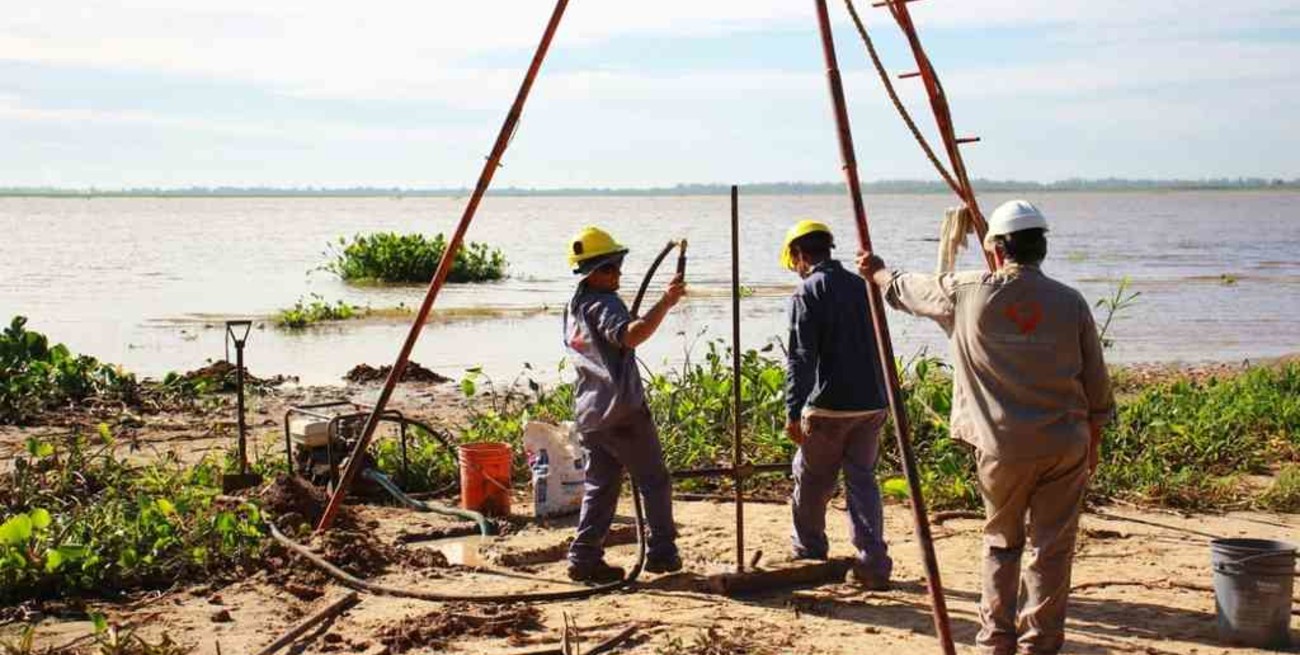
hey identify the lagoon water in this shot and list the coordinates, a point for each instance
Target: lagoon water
(145, 282)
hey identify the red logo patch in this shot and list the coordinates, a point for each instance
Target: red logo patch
(1026, 315)
(576, 340)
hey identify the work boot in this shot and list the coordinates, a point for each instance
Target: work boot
(597, 572)
(797, 555)
(869, 577)
(671, 564)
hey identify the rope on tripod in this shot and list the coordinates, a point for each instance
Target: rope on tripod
(898, 103)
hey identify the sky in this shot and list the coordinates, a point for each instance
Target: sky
(411, 93)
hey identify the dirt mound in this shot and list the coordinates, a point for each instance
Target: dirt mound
(221, 377)
(297, 508)
(436, 629)
(296, 504)
(365, 373)
(357, 552)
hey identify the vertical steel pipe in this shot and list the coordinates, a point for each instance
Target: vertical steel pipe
(444, 267)
(737, 456)
(881, 327)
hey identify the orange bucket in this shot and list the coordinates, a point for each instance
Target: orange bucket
(485, 477)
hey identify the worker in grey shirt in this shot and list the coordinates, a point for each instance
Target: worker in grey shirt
(1031, 394)
(610, 409)
(835, 398)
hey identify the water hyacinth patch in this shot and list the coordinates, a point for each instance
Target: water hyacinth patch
(411, 258)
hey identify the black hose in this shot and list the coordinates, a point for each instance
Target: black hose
(654, 266)
(354, 582)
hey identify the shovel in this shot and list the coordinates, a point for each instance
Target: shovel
(242, 480)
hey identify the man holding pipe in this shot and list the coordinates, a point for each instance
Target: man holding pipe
(836, 400)
(610, 410)
(1031, 394)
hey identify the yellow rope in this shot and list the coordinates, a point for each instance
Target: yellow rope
(957, 223)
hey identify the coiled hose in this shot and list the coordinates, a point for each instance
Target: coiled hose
(384, 481)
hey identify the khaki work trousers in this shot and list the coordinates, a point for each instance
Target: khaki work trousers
(1049, 490)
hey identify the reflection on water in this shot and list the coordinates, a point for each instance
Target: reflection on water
(461, 551)
(146, 282)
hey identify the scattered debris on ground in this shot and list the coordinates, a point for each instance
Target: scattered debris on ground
(458, 620)
(365, 373)
(738, 640)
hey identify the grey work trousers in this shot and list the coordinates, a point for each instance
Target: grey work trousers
(1049, 490)
(634, 446)
(831, 444)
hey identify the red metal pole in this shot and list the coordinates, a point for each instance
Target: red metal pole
(881, 326)
(942, 113)
(444, 268)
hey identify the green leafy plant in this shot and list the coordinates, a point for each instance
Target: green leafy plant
(36, 376)
(79, 519)
(317, 310)
(1117, 303)
(397, 258)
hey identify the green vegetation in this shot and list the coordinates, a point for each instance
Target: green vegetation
(38, 380)
(431, 466)
(36, 377)
(397, 258)
(81, 520)
(318, 310)
(1284, 495)
(1185, 443)
(1178, 443)
(1117, 303)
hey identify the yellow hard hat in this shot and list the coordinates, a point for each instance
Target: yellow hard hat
(800, 229)
(589, 244)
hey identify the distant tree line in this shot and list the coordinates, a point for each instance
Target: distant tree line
(774, 188)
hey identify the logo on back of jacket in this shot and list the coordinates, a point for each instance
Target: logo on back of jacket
(1026, 314)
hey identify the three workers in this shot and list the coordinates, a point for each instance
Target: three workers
(1030, 393)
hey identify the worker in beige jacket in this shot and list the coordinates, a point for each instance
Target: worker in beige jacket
(1031, 394)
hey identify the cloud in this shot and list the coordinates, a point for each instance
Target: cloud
(1095, 73)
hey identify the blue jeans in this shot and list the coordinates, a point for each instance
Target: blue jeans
(634, 446)
(831, 444)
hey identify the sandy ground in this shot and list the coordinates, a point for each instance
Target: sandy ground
(209, 429)
(1141, 576)
(1139, 582)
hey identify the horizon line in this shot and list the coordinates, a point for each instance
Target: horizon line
(684, 188)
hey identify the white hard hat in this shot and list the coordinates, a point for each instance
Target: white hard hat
(1014, 216)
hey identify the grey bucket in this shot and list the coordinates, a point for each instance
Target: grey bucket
(1253, 580)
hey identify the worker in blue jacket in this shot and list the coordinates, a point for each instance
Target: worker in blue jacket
(836, 400)
(610, 410)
